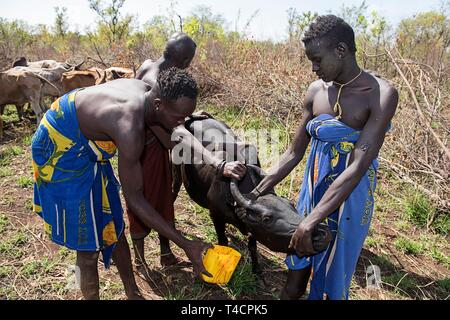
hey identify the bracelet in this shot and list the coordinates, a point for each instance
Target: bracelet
(220, 168)
(257, 190)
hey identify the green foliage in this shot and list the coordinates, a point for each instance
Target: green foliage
(298, 22)
(243, 282)
(112, 25)
(7, 153)
(61, 22)
(3, 222)
(408, 246)
(444, 284)
(424, 37)
(418, 208)
(203, 25)
(25, 182)
(401, 281)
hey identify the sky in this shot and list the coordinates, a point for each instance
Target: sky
(270, 21)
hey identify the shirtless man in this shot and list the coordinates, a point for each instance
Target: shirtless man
(76, 192)
(346, 115)
(155, 162)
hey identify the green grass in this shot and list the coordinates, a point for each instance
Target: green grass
(5, 271)
(444, 284)
(12, 246)
(7, 153)
(370, 242)
(25, 182)
(10, 114)
(5, 172)
(3, 222)
(438, 256)
(26, 141)
(408, 246)
(418, 208)
(243, 282)
(442, 223)
(401, 281)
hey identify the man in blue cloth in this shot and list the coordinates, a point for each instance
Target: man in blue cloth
(76, 192)
(346, 114)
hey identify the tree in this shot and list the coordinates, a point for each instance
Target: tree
(204, 23)
(424, 37)
(297, 23)
(61, 25)
(112, 23)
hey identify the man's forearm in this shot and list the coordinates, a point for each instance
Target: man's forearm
(278, 172)
(336, 194)
(152, 219)
(201, 154)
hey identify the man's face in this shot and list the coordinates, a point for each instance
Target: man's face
(172, 113)
(324, 58)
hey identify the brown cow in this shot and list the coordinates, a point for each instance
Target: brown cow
(80, 79)
(18, 86)
(114, 73)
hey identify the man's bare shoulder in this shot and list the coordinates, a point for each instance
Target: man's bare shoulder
(385, 86)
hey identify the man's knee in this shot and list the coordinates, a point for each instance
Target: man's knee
(296, 283)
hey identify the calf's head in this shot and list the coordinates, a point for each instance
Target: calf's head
(272, 219)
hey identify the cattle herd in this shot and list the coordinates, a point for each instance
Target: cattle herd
(29, 82)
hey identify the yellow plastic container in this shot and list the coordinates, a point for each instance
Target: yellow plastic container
(221, 262)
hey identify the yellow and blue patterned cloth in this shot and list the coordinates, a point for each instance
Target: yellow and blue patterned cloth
(75, 190)
(331, 146)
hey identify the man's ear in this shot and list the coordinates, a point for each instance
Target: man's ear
(157, 103)
(341, 49)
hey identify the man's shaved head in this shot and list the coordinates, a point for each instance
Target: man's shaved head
(180, 50)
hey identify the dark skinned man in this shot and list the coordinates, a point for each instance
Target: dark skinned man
(346, 115)
(156, 167)
(76, 192)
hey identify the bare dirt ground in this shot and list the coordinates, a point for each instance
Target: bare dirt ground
(32, 267)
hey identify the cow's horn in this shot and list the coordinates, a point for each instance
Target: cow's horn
(80, 64)
(237, 195)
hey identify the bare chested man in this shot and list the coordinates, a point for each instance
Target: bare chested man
(76, 192)
(346, 115)
(156, 166)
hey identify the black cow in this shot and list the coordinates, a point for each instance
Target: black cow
(271, 219)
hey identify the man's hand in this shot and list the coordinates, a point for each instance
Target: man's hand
(234, 170)
(301, 240)
(194, 251)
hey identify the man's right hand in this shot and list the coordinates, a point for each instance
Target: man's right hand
(234, 169)
(194, 251)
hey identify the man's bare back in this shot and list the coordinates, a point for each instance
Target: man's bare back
(113, 107)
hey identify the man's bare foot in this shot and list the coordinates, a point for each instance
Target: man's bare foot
(169, 259)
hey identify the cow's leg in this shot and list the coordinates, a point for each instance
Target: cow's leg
(36, 108)
(1, 127)
(252, 248)
(219, 225)
(19, 109)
